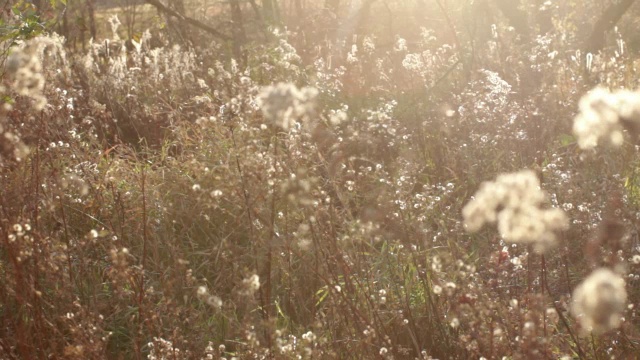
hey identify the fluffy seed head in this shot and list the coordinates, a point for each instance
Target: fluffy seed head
(599, 301)
(515, 202)
(283, 103)
(604, 115)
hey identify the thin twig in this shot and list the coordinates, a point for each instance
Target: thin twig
(566, 324)
(143, 262)
(190, 21)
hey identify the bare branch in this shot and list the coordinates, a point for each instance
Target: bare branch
(605, 23)
(190, 21)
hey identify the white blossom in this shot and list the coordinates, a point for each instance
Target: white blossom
(603, 115)
(284, 103)
(598, 302)
(514, 201)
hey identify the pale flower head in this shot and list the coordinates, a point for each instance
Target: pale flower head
(250, 285)
(400, 44)
(599, 301)
(284, 103)
(24, 65)
(514, 201)
(604, 115)
(26, 69)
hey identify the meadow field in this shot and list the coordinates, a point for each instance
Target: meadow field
(355, 179)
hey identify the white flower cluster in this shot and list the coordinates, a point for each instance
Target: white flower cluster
(284, 103)
(414, 62)
(604, 115)
(162, 349)
(498, 89)
(400, 45)
(27, 72)
(212, 300)
(26, 67)
(250, 285)
(515, 201)
(599, 301)
(289, 58)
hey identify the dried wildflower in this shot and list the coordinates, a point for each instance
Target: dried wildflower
(352, 56)
(454, 323)
(604, 115)
(211, 300)
(552, 315)
(336, 117)
(450, 288)
(514, 201)
(26, 68)
(250, 285)
(115, 24)
(437, 289)
(413, 62)
(11, 148)
(497, 89)
(400, 44)
(598, 302)
(214, 301)
(284, 103)
(368, 45)
(513, 303)
(309, 336)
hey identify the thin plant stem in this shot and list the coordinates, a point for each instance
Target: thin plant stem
(581, 354)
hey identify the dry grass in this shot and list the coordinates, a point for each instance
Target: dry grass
(167, 203)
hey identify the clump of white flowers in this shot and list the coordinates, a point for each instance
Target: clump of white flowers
(599, 301)
(24, 65)
(284, 103)
(212, 300)
(250, 285)
(27, 76)
(604, 115)
(515, 202)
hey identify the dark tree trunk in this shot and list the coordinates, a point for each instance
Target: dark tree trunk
(91, 12)
(187, 20)
(543, 18)
(64, 31)
(260, 18)
(605, 23)
(238, 33)
(181, 31)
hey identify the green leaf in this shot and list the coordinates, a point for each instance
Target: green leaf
(322, 294)
(53, 3)
(566, 139)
